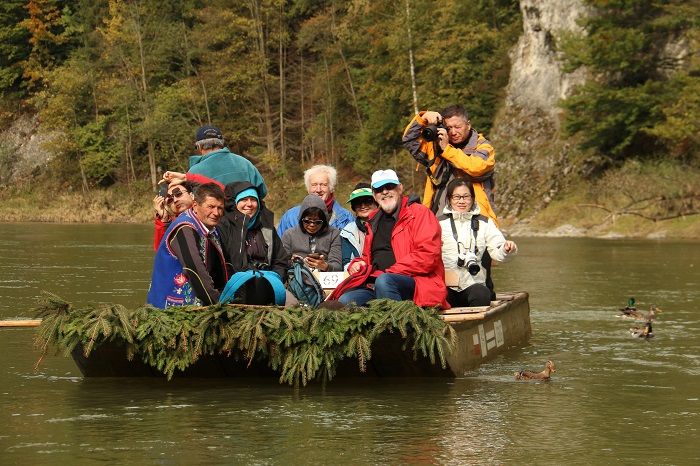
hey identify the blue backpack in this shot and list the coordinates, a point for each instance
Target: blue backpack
(240, 278)
(303, 284)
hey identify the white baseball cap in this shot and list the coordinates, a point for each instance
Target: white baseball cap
(382, 177)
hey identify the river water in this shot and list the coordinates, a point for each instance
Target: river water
(613, 399)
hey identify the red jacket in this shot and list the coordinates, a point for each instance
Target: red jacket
(417, 244)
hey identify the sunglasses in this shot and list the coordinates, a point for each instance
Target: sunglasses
(308, 222)
(388, 187)
(363, 202)
(176, 194)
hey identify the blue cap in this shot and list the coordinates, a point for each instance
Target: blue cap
(208, 132)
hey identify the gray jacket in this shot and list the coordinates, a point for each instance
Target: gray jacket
(297, 241)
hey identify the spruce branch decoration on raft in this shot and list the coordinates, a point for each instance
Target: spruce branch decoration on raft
(300, 343)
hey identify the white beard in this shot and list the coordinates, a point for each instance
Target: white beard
(389, 203)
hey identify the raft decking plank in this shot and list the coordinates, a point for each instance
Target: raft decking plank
(464, 310)
(20, 322)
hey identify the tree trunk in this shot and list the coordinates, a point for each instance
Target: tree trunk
(410, 58)
(282, 79)
(347, 70)
(302, 107)
(146, 106)
(152, 164)
(206, 101)
(262, 58)
(127, 149)
(85, 185)
(329, 113)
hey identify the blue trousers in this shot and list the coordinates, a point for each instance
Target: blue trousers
(387, 285)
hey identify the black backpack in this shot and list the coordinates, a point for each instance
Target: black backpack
(303, 284)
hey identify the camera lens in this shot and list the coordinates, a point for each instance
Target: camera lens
(473, 267)
(429, 133)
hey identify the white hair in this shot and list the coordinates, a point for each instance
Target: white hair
(327, 169)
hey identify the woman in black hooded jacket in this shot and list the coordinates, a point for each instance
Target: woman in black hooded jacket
(250, 240)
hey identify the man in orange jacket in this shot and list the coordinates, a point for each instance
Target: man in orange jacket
(452, 149)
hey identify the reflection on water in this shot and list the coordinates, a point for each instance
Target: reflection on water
(613, 399)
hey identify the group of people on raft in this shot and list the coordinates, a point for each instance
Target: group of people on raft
(213, 224)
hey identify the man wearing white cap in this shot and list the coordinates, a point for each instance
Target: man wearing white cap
(401, 258)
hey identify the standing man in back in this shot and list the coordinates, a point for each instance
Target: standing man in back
(215, 161)
(456, 151)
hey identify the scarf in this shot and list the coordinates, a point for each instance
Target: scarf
(329, 204)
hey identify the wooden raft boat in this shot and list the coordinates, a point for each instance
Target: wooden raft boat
(483, 333)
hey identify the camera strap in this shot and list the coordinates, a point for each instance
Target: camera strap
(430, 163)
(475, 230)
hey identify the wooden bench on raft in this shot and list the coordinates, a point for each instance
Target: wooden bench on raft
(461, 314)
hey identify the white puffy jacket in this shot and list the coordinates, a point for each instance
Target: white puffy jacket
(488, 236)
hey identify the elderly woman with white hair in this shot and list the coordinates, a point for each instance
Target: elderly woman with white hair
(321, 181)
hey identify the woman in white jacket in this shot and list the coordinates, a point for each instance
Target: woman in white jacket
(465, 236)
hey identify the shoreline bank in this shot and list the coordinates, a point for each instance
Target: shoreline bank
(514, 230)
(134, 205)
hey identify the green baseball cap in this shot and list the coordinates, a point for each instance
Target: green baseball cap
(361, 190)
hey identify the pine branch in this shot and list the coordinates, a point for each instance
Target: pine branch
(303, 344)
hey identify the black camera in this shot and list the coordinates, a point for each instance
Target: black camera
(430, 132)
(258, 265)
(470, 262)
(163, 190)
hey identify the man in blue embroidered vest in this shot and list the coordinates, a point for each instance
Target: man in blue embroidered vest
(189, 267)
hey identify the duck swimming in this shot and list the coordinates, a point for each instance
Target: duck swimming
(530, 375)
(642, 331)
(639, 315)
(630, 306)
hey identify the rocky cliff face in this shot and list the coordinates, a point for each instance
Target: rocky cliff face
(526, 133)
(536, 79)
(23, 148)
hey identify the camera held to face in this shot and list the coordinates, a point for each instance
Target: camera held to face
(469, 261)
(430, 132)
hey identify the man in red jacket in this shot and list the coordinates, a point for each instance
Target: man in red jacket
(402, 257)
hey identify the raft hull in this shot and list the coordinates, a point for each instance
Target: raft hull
(482, 335)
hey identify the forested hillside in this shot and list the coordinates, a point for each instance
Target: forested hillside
(118, 87)
(127, 82)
